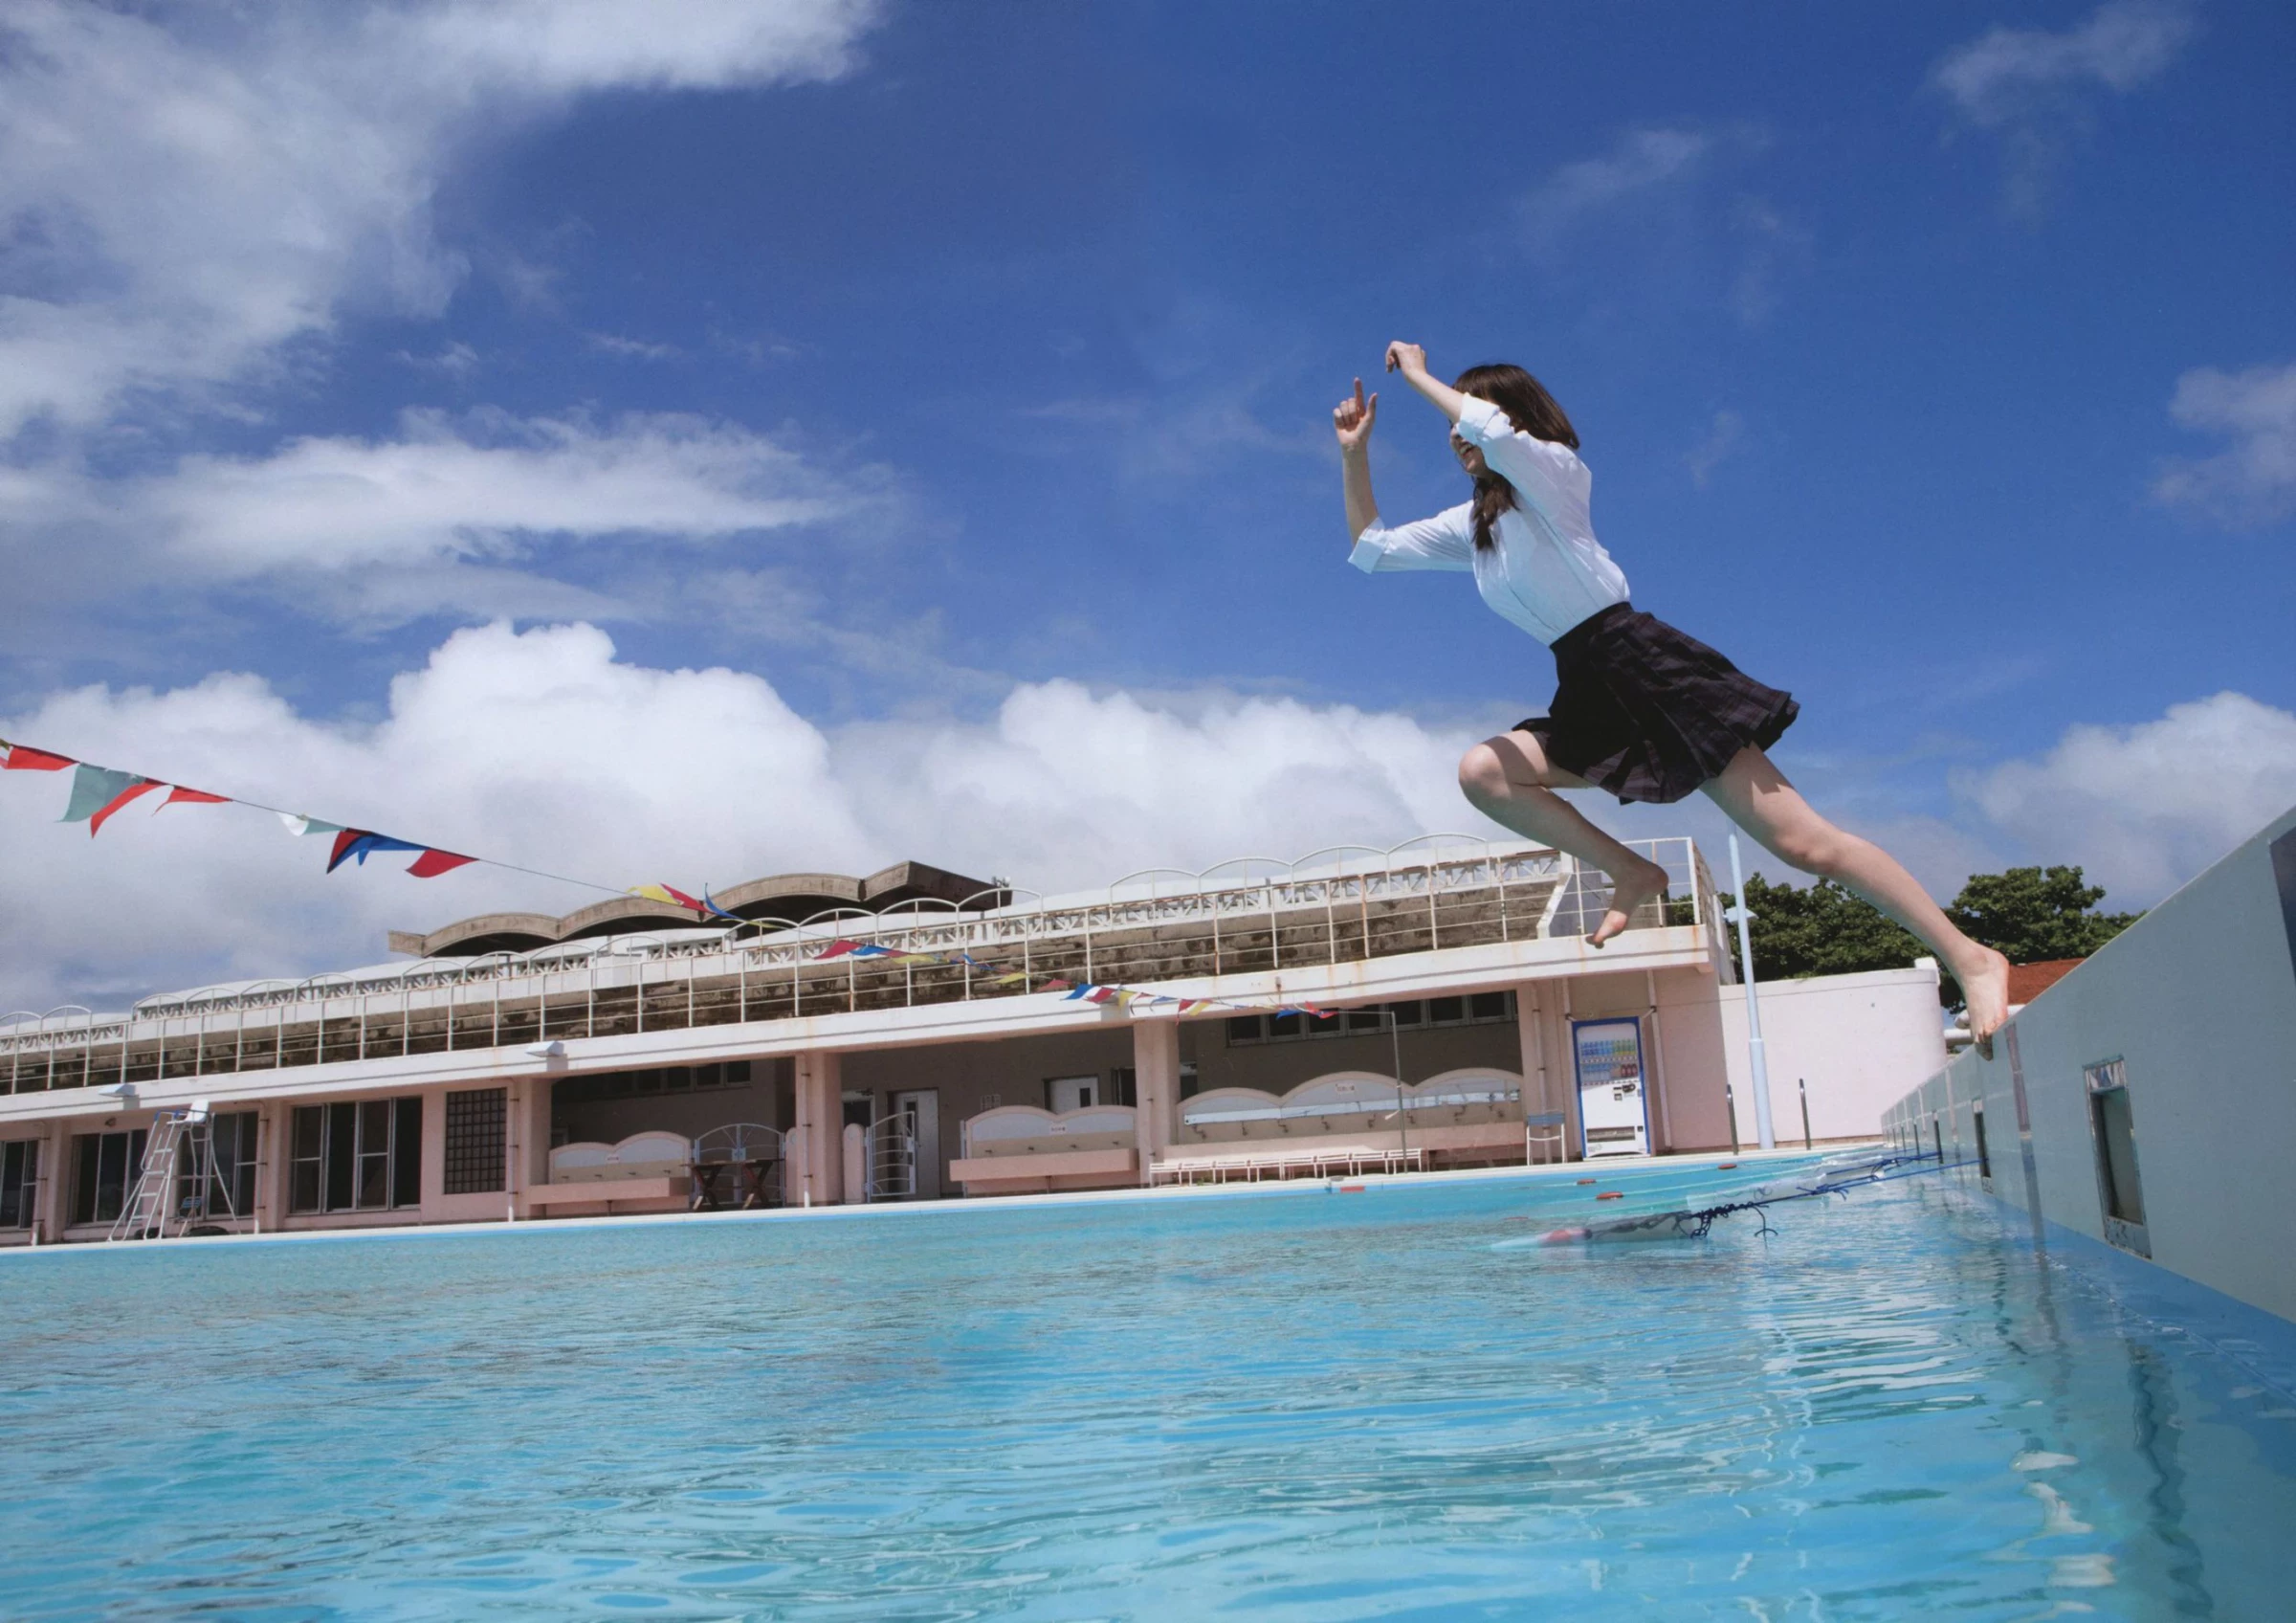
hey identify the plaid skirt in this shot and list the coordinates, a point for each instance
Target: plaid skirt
(1648, 713)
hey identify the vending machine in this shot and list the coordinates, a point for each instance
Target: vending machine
(1614, 1116)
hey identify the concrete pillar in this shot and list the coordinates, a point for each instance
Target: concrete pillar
(50, 1210)
(434, 1154)
(526, 1138)
(813, 1172)
(1563, 1066)
(1155, 1085)
(853, 1146)
(271, 1149)
(276, 1181)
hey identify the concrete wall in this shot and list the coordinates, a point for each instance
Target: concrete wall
(2199, 1000)
(1858, 1040)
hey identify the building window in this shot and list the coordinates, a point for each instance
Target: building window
(107, 1165)
(228, 1173)
(1124, 1086)
(2120, 1192)
(361, 1155)
(19, 1182)
(667, 1078)
(475, 1141)
(1475, 1008)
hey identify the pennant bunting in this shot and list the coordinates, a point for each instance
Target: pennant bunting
(93, 788)
(666, 893)
(141, 787)
(363, 843)
(23, 758)
(178, 795)
(717, 912)
(98, 793)
(432, 863)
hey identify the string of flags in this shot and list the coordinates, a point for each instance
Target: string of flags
(100, 793)
(1086, 992)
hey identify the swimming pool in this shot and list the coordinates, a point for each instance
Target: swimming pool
(1294, 1405)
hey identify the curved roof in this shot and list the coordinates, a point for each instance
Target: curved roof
(779, 896)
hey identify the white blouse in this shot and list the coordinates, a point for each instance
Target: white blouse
(1545, 571)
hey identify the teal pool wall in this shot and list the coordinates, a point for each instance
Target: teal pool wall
(2198, 1001)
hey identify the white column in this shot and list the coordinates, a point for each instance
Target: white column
(814, 1174)
(55, 1182)
(1155, 1085)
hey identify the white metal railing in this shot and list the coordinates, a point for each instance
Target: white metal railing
(1328, 898)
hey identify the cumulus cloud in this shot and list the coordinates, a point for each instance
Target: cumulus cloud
(447, 488)
(544, 749)
(446, 515)
(185, 193)
(2144, 808)
(2032, 86)
(2253, 482)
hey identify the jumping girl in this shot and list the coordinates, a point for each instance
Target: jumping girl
(1640, 709)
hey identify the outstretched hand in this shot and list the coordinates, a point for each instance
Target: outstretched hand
(1352, 418)
(1408, 359)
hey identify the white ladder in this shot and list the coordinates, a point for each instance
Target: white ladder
(143, 1215)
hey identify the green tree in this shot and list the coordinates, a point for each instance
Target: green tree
(2027, 914)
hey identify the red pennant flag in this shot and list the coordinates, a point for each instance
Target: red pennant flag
(432, 863)
(178, 795)
(141, 787)
(23, 758)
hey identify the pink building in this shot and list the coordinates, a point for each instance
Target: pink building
(621, 1060)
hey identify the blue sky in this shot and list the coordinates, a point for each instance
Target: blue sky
(957, 377)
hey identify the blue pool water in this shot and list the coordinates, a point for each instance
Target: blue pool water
(1295, 1405)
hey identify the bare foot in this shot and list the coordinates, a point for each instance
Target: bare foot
(1987, 992)
(1628, 891)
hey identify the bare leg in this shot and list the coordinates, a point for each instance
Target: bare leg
(1760, 800)
(1511, 781)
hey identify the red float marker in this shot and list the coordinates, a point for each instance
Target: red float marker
(1612, 1195)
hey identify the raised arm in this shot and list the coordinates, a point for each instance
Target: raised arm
(1411, 360)
(1352, 419)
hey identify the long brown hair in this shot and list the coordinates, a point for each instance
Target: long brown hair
(1531, 410)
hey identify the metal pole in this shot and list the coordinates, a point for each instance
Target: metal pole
(1803, 1083)
(1740, 916)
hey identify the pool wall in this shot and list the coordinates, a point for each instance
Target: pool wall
(2158, 1080)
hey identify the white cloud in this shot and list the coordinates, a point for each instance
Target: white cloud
(1641, 160)
(448, 488)
(2010, 73)
(452, 514)
(180, 202)
(542, 748)
(1723, 437)
(2145, 808)
(2255, 480)
(2034, 86)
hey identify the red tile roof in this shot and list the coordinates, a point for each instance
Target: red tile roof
(2028, 981)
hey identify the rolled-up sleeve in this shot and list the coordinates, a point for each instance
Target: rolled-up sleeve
(1444, 542)
(1543, 472)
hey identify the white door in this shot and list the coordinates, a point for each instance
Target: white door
(924, 1103)
(1071, 1093)
(1613, 1104)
